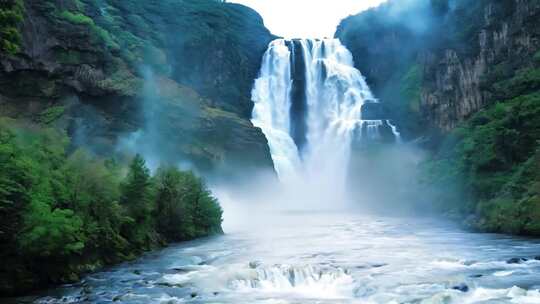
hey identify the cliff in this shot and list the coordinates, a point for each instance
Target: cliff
(83, 66)
(464, 77)
(442, 58)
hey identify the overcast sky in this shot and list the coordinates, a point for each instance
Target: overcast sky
(306, 18)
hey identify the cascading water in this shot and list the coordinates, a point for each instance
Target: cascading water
(306, 280)
(332, 94)
(271, 112)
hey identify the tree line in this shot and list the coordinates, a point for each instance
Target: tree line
(69, 212)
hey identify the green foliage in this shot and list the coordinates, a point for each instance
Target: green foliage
(16, 177)
(411, 87)
(62, 214)
(77, 18)
(98, 33)
(11, 15)
(536, 57)
(51, 114)
(185, 208)
(496, 155)
(525, 80)
(48, 232)
(137, 199)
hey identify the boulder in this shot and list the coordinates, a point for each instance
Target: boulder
(461, 287)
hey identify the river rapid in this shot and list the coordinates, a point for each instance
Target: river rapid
(323, 257)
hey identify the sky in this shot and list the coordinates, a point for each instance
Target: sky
(306, 18)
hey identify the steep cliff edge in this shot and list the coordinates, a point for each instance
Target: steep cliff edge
(442, 58)
(466, 76)
(80, 66)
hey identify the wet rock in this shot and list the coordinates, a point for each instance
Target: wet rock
(165, 284)
(374, 111)
(254, 264)
(516, 260)
(461, 287)
(181, 270)
(117, 298)
(86, 290)
(361, 267)
(139, 284)
(476, 276)
(537, 258)
(137, 272)
(193, 294)
(469, 263)
(378, 265)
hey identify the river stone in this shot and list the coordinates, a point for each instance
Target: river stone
(461, 287)
(516, 260)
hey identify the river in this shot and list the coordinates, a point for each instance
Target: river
(324, 257)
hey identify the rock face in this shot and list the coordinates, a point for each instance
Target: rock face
(461, 82)
(81, 67)
(374, 111)
(436, 62)
(463, 78)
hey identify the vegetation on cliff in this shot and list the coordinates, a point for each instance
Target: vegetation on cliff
(11, 15)
(89, 58)
(463, 76)
(491, 164)
(64, 214)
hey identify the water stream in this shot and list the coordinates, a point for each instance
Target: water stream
(324, 257)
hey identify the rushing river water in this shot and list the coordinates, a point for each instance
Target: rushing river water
(324, 258)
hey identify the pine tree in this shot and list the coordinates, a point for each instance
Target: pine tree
(137, 199)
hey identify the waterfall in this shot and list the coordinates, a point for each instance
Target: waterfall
(271, 112)
(329, 93)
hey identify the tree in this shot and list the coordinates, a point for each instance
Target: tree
(185, 208)
(51, 233)
(15, 180)
(136, 193)
(204, 208)
(137, 198)
(173, 217)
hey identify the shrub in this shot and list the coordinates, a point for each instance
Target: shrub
(11, 15)
(77, 18)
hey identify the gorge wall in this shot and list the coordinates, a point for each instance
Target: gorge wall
(462, 77)
(80, 65)
(441, 60)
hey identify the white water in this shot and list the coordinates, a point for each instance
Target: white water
(335, 92)
(323, 258)
(272, 101)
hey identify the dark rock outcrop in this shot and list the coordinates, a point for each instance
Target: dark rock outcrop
(459, 83)
(298, 94)
(374, 111)
(461, 287)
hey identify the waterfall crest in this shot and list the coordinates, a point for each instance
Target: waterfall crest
(333, 93)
